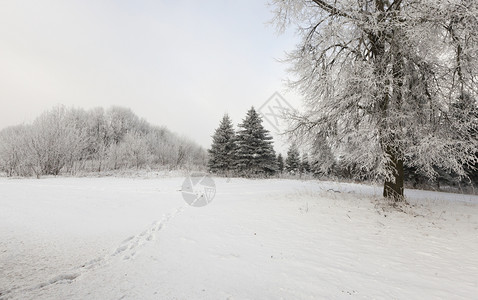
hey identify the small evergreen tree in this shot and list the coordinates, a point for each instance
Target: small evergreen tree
(280, 163)
(292, 162)
(254, 153)
(221, 154)
(304, 164)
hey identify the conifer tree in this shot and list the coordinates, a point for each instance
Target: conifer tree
(304, 164)
(255, 154)
(280, 163)
(292, 162)
(222, 150)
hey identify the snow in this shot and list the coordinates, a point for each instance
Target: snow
(133, 238)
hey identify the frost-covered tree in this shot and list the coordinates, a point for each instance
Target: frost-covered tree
(54, 141)
(122, 121)
(133, 150)
(381, 78)
(221, 154)
(99, 137)
(13, 149)
(323, 161)
(254, 154)
(469, 105)
(292, 161)
(65, 140)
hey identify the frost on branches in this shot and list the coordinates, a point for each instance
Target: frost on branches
(388, 83)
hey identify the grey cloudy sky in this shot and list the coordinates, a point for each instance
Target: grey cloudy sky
(182, 64)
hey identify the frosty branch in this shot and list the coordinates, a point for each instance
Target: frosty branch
(390, 79)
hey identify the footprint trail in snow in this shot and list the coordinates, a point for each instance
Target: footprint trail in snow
(127, 250)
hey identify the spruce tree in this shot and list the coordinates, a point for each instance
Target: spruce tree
(292, 162)
(255, 154)
(304, 164)
(280, 163)
(221, 154)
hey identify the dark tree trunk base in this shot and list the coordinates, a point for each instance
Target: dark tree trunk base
(394, 189)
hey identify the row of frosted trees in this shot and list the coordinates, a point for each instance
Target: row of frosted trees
(69, 141)
(249, 152)
(322, 163)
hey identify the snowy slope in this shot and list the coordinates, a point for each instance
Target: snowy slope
(118, 238)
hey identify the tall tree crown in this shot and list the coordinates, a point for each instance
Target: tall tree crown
(382, 79)
(221, 154)
(255, 153)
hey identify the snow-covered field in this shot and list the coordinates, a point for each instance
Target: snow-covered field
(119, 238)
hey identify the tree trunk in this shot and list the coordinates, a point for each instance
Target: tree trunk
(393, 189)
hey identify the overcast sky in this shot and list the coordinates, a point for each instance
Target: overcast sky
(182, 64)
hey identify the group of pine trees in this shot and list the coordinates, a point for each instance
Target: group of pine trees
(245, 152)
(295, 163)
(249, 151)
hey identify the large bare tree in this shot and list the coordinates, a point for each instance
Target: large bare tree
(387, 83)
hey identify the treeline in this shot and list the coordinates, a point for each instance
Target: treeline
(322, 163)
(68, 140)
(248, 152)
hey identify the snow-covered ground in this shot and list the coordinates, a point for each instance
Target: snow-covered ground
(119, 238)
